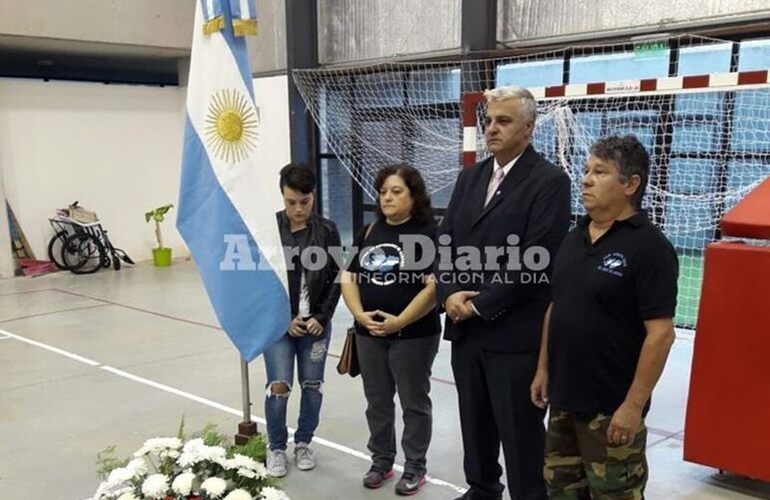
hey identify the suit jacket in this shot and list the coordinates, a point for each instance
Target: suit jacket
(532, 202)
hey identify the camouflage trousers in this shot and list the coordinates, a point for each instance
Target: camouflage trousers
(580, 464)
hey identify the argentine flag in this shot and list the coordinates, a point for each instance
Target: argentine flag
(227, 201)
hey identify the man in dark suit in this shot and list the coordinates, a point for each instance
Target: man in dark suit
(514, 209)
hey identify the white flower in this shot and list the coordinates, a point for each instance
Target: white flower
(169, 454)
(243, 462)
(182, 484)
(195, 451)
(155, 486)
(191, 453)
(118, 480)
(239, 494)
(107, 491)
(270, 493)
(128, 496)
(214, 486)
(193, 443)
(137, 467)
(158, 445)
(101, 491)
(215, 453)
(119, 475)
(261, 470)
(246, 466)
(247, 473)
(223, 462)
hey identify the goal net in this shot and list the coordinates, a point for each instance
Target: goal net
(708, 134)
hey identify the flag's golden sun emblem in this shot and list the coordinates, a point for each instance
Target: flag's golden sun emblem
(231, 126)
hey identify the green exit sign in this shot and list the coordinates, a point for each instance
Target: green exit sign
(650, 49)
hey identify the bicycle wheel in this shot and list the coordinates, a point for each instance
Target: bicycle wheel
(83, 254)
(54, 249)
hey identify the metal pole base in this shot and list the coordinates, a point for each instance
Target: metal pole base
(246, 430)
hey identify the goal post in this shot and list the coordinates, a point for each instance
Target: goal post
(707, 131)
(626, 88)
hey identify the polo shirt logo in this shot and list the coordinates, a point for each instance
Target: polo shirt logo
(614, 263)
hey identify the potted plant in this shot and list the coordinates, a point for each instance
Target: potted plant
(161, 256)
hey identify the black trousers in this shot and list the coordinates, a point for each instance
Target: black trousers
(495, 408)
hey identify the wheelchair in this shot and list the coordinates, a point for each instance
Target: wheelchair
(83, 247)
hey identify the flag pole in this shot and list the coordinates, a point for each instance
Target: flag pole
(221, 88)
(247, 428)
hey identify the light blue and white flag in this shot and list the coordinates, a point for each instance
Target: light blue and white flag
(227, 200)
(243, 16)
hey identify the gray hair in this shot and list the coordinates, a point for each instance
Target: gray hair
(526, 100)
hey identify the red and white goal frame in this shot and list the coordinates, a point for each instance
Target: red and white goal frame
(640, 87)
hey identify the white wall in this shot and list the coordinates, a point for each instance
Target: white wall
(115, 148)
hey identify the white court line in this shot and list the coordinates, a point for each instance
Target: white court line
(213, 404)
(260, 420)
(56, 350)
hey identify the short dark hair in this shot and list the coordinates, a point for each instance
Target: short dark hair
(422, 211)
(629, 155)
(297, 177)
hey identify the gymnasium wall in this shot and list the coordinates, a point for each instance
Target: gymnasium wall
(115, 148)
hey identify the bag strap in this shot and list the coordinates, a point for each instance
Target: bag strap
(368, 231)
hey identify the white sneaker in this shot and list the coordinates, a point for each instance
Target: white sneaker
(276, 463)
(303, 457)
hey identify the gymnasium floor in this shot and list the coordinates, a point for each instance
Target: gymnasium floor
(117, 357)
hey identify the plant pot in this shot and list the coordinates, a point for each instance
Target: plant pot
(161, 257)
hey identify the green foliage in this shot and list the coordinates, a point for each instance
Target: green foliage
(158, 214)
(106, 462)
(212, 437)
(255, 448)
(180, 430)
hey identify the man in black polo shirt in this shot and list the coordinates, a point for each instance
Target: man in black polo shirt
(607, 332)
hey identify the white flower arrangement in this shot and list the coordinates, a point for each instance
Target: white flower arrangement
(238, 494)
(155, 486)
(204, 468)
(270, 493)
(183, 483)
(158, 446)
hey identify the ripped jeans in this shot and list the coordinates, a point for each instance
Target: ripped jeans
(310, 353)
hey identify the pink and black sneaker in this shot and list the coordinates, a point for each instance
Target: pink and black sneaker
(376, 477)
(409, 484)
